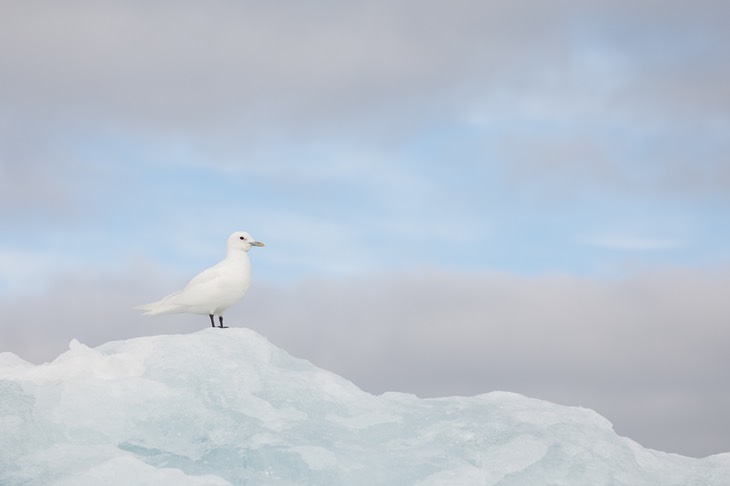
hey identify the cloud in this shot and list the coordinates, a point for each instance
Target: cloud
(33, 182)
(609, 346)
(197, 66)
(94, 306)
(623, 95)
(647, 351)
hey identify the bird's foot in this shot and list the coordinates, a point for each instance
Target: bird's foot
(222, 327)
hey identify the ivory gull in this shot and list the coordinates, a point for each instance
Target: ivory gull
(215, 289)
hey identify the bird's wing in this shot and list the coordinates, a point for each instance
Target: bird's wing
(206, 276)
(202, 288)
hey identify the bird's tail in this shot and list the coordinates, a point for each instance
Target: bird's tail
(160, 307)
(149, 308)
(164, 306)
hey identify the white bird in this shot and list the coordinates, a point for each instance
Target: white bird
(215, 289)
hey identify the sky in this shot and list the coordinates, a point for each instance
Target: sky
(456, 198)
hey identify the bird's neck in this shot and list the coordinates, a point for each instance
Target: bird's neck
(238, 256)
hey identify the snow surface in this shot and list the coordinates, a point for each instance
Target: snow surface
(226, 407)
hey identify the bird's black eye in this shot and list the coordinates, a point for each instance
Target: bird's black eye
(243, 237)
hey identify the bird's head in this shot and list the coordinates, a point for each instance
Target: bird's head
(240, 240)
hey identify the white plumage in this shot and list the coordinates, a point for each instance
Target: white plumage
(215, 289)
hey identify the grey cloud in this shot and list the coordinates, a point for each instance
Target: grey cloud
(649, 352)
(30, 182)
(94, 308)
(236, 79)
(186, 64)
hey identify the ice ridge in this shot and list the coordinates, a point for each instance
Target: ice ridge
(226, 407)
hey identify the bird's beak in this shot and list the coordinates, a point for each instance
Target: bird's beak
(257, 243)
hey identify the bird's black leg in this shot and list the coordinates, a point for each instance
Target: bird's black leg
(212, 322)
(220, 318)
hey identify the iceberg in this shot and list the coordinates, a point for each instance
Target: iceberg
(226, 407)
